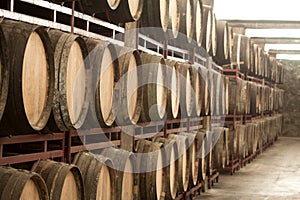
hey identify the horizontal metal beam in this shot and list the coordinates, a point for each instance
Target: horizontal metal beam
(264, 24)
(279, 51)
(276, 40)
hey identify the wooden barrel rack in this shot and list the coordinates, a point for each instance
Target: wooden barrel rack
(67, 143)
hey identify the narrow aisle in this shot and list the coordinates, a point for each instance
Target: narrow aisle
(275, 174)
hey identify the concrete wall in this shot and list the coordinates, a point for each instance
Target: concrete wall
(291, 111)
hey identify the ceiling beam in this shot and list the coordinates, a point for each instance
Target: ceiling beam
(279, 51)
(264, 24)
(276, 40)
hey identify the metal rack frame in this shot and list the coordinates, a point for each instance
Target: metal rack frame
(45, 153)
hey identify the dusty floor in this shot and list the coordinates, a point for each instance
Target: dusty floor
(275, 174)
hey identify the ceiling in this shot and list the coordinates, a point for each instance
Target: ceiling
(271, 22)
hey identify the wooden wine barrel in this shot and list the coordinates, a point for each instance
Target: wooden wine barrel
(233, 143)
(216, 94)
(255, 137)
(4, 71)
(271, 100)
(276, 72)
(280, 73)
(21, 184)
(223, 43)
(267, 130)
(187, 19)
(173, 86)
(186, 88)
(154, 90)
(258, 99)
(127, 11)
(251, 138)
(237, 96)
(209, 3)
(275, 99)
(260, 133)
(241, 52)
(31, 80)
(212, 90)
(267, 98)
(260, 62)
(183, 161)
(242, 93)
(63, 181)
(281, 100)
(222, 95)
(214, 36)
(233, 96)
(226, 141)
(129, 106)
(254, 59)
(70, 103)
(219, 148)
(225, 103)
(254, 98)
(209, 150)
(202, 156)
(170, 166)
(266, 59)
(207, 28)
(156, 14)
(270, 64)
(96, 6)
(263, 98)
(198, 21)
(246, 141)
(194, 160)
(248, 97)
(98, 175)
(124, 163)
(241, 131)
(173, 19)
(151, 180)
(204, 92)
(104, 67)
(196, 100)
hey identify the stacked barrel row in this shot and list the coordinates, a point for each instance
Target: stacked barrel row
(190, 21)
(182, 23)
(247, 97)
(219, 93)
(246, 140)
(63, 82)
(251, 59)
(160, 168)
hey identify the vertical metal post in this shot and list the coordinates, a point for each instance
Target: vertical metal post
(165, 129)
(73, 18)
(165, 50)
(11, 5)
(68, 153)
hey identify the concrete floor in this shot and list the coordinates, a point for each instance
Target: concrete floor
(275, 174)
